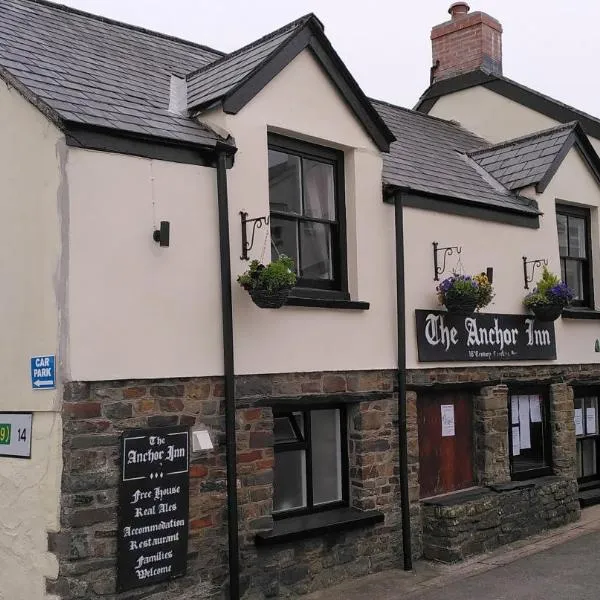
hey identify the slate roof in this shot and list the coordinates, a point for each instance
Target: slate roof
(94, 71)
(524, 161)
(213, 81)
(430, 156)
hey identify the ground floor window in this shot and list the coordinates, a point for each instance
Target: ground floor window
(529, 435)
(311, 461)
(586, 431)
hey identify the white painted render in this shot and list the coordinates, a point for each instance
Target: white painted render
(485, 244)
(138, 310)
(493, 116)
(32, 282)
(490, 115)
(301, 102)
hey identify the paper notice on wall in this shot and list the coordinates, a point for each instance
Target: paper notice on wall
(579, 421)
(516, 441)
(514, 410)
(590, 420)
(578, 418)
(534, 409)
(447, 420)
(524, 422)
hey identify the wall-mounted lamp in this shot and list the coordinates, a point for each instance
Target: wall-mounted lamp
(201, 439)
(489, 272)
(162, 235)
(538, 262)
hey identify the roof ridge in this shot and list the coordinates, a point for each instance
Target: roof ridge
(76, 11)
(523, 138)
(297, 23)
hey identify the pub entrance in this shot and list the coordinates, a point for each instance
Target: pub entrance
(588, 445)
(445, 422)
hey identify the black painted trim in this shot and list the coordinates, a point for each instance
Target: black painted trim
(296, 528)
(108, 140)
(327, 303)
(229, 378)
(401, 379)
(581, 313)
(463, 208)
(317, 401)
(562, 154)
(312, 36)
(337, 286)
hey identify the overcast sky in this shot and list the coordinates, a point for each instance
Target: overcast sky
(550, 45)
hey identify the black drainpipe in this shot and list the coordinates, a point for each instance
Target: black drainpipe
(401, 374)
(224, 153)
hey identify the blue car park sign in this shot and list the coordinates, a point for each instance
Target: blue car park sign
(43, 373)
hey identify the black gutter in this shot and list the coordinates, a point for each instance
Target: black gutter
(224, 153)
(401, 376)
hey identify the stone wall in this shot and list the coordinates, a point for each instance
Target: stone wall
(293, 568)
(94, 416)
(490, 435)
(464, 524)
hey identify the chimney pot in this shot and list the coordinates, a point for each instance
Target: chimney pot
(469, 41)
(458, 9)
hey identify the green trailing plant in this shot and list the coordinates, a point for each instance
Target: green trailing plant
(276, 276)
(549, 291)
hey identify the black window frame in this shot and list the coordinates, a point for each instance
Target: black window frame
(585, 393)
(547, 469)
(336, 288)
(568, 211)
(305, 444)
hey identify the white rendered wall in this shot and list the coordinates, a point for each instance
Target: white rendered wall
(32, 193)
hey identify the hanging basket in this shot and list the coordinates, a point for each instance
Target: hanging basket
(264, 298)
(546, 313)
(461, 306)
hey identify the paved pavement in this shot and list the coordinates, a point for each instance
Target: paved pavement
(562, 564)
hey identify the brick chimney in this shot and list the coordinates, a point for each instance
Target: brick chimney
(469, 41)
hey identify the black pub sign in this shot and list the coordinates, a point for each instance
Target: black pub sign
(153, 506)
(445, 337)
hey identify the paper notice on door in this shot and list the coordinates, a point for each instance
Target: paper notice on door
(590, 420)
(534, 409)
(578, 421)
(447, 420)
(514, 410)
(524, 422)
(516, 441)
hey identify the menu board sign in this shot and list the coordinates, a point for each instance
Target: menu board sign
(153, 506)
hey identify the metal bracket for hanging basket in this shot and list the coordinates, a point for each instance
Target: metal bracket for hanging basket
(538, 262)
(448, 251)
(257, 223)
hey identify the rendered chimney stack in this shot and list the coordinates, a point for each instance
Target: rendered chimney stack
(468, 42)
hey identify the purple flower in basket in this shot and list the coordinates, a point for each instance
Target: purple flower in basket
(561, 293)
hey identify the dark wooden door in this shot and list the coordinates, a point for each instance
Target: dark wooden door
(445, 462)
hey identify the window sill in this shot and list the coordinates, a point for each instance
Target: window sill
(327, 303)
(580, 313)
(295, 528)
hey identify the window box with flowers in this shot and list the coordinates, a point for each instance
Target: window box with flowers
(464, 294)
(549, 298)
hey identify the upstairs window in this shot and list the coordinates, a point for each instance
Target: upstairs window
(306, 197)
(574, 245)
